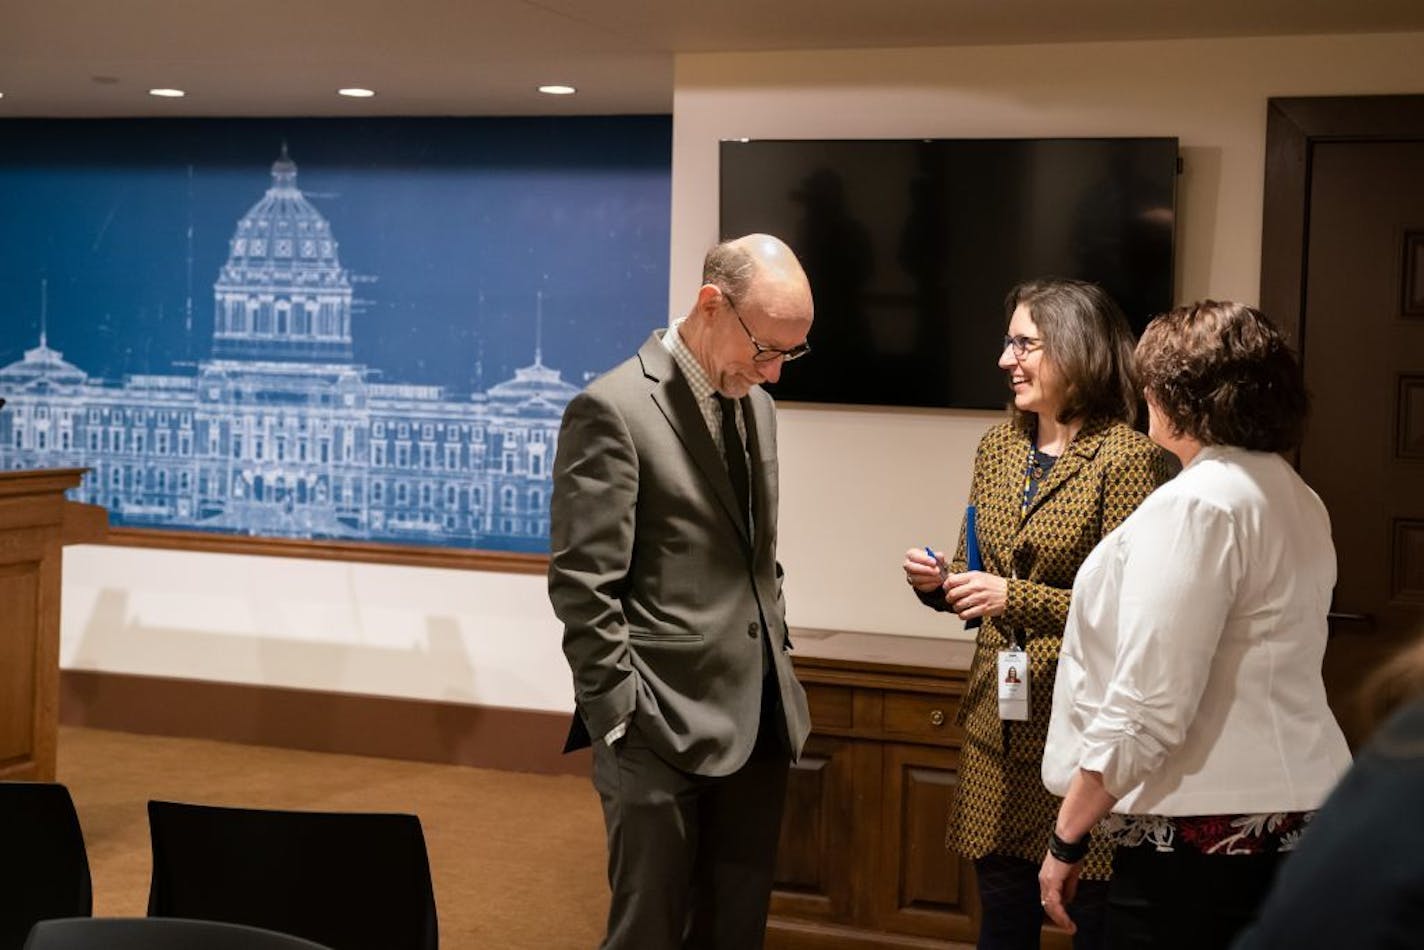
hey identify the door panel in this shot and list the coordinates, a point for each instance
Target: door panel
(817, 856)
(924, 889)
(1363, 353)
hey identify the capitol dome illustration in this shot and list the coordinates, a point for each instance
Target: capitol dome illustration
(283, 294)
(282, 433)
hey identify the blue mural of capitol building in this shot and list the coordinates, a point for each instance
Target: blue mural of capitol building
(279, 432)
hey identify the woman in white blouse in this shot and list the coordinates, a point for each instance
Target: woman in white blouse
(1189, 714)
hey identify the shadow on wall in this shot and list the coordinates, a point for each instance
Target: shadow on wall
(440, 669)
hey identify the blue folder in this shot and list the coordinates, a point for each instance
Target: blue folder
(971, 554)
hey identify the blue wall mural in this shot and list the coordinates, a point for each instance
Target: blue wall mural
(322, 328)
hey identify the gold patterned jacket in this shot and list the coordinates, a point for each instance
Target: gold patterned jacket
(1103, 475)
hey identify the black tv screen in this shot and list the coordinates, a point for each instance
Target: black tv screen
(911, 246)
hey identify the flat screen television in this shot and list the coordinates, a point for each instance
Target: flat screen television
(911, 246)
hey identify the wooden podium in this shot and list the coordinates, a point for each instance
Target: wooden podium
(36, 521)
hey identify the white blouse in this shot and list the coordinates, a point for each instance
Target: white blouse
(1190, 669)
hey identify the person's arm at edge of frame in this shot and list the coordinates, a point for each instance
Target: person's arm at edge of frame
(592, 520)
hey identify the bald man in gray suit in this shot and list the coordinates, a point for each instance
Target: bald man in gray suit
(664, 573)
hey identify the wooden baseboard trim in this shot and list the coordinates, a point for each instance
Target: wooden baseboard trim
(491, 737)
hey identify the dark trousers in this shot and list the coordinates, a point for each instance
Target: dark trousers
(1012, 915)
(1184, 900)
(690, 858)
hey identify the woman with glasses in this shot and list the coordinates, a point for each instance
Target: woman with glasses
(1047, 485)
(1190, 710)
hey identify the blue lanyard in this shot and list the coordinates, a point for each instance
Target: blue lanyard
(1030, 482)
(1035, 472)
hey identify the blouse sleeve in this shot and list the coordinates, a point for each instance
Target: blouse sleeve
(1180, 573)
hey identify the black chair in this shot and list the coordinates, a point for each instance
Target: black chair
(44, 871)
(351, 881)
(157, 933)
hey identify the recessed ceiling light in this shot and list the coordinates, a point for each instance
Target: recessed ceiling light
(558, 90)
(2, 95)
(168, 93)
(356, 92)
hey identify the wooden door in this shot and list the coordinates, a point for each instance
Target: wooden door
(1343, 266)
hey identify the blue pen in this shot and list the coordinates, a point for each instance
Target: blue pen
(943, 571)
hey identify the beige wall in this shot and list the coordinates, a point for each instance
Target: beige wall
(858, 486)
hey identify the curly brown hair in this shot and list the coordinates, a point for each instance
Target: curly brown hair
(1088, 340)
(1221, 373)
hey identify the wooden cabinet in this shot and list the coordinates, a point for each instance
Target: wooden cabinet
(35, 521)
(862, 862)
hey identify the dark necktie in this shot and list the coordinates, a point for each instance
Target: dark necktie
(735, 454)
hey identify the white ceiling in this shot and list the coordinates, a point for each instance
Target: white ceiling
(484, 57)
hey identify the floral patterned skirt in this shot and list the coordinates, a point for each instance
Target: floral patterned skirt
(1265, 833)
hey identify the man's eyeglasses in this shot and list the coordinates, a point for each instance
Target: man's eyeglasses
(764, 353)
(1021, 345)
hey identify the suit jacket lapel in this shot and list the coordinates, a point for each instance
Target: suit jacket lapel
(674, 398)
(1083, 447)
(1013, 473)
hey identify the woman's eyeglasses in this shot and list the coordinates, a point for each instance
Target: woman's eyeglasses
(1021, 345)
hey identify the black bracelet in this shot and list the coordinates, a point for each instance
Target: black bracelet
(1069, 852)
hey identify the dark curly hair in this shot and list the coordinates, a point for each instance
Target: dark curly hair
(1221, 373)
(1088, 341)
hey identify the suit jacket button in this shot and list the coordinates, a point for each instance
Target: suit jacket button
(753, 629)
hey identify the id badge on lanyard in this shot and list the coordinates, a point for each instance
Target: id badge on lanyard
(1013, 663)
(1013, 685)
(1013, 682)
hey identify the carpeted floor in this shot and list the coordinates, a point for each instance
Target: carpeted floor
(518, 859)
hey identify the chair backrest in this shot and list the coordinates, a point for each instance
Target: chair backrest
(44, 871)
(349, 880)
(157, 933)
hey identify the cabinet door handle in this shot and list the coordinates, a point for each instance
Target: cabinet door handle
(937, 717)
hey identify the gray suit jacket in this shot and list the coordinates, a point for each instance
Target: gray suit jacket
(664, 598)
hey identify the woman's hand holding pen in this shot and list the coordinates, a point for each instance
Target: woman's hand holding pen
(976, 594)
(924, 573)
